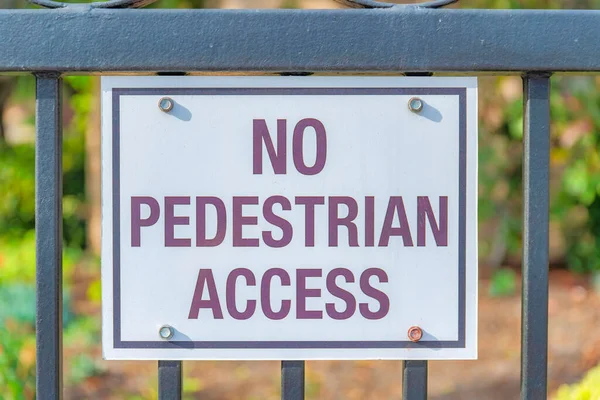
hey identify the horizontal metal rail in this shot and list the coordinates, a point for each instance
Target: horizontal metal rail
(81, 39)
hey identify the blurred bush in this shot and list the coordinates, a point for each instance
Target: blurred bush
(576, 107)
(17, 245)
(17, 305)
(587, 389)
(17, 175)
(17, 190)
(17, 361)
(575, 172)
(503, 283)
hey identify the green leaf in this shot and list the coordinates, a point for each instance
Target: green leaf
(503, 283)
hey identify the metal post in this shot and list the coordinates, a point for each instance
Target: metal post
(48, 224)
(170, 383)
(414, 380)
(536, 159)
(292, 380)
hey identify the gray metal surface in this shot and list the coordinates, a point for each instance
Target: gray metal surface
(48, 236)
(383, 4)
(413, 40)
(292, 380)
(414, 380)
(95, 4)
(536, 174)
(170, 381)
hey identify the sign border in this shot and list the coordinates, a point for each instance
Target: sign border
(461, 92)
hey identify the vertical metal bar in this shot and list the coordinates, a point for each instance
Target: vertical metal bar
(536, 173)
(170, 383)
(414, 380)
(292, 380)
(48, 225)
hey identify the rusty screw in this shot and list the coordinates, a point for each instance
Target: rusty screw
(415, 333)
(165, 104)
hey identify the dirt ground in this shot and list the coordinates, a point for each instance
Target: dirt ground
(574, 347)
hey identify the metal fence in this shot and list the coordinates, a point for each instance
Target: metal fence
(103, 38)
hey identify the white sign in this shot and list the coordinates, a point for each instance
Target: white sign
(289, 218)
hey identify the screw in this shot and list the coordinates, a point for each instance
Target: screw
(166, 104)
(166, 332)
(415, 104)
(415, 333)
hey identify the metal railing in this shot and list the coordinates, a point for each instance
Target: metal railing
(100, 38)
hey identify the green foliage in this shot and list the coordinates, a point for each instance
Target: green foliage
(17, 190)
(17, 246)
(290, 4)
(503, 283)
(587, 389)
(74, 212)
(192, 385)
(17, 361)
(17, 260)
(574, 163)
(82, 367)
(17, 304)
(500, 168)
(576, 111)
(82, 332)
(17, 342)
(17, 193)
(94, 292)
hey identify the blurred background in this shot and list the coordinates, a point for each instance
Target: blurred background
(574, 342)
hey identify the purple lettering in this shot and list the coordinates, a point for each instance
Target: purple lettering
(239, 221)
(205, 277)
(302, 293)
(424, 211)
(382, 298)
(309, 203)
(340, 293)
(230, 296)
(171, 220)
(298, 146)
(201, 240)
(136, 220)
(335, 221)
(395, 205)
(265, 294)
(369, 221)
(260, 133)
(283, 224)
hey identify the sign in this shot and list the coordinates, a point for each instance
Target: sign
(289, 217)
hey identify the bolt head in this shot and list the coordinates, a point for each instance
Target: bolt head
(415, 333)
(166, 332)
(165, 104)
(415, 104)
